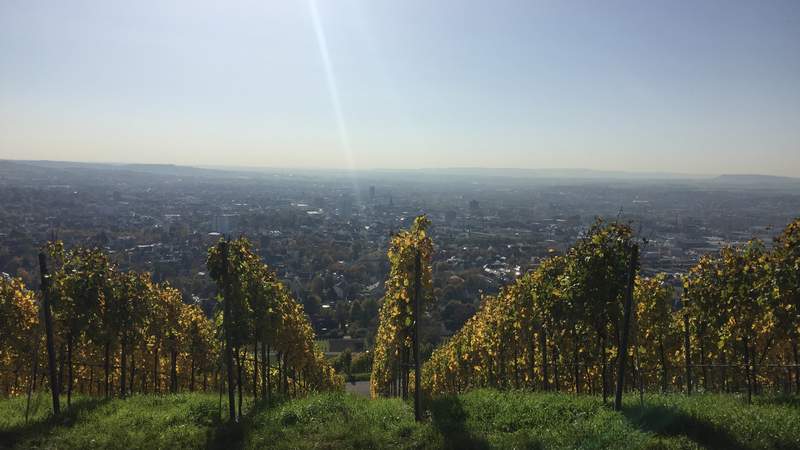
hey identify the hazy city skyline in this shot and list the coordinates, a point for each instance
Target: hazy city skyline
(685, 87)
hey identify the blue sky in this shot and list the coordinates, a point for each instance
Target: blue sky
(692, 87)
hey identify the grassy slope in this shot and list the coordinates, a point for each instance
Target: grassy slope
(481, 419)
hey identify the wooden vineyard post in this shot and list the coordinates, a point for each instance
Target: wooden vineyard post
(687, 352)
(623, 351)
(48, 329)
(417, 316)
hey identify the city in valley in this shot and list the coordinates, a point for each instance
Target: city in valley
(326, 233)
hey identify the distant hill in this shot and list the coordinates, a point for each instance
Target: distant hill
(441, 175)
(753, 180)
(559, 173)
(171, 170)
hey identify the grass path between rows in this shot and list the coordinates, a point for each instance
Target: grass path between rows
(482, 419)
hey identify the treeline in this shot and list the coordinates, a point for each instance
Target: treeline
(117, 332)
(730, 324)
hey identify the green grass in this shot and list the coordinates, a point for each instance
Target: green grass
(480, 419)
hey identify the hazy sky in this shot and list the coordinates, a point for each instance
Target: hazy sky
(694, 87)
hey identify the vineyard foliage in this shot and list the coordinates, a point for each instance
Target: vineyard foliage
(18, 332)
(117, 332)
(731, 323)
(393, 341)
(742, 315)
(264, 318)
(113, 330)
(559, 321)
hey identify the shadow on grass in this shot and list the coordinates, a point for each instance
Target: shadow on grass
(673, 422)
(792, 401)
(43, 426)
(449, 418)
(232, 435)
(228, 435)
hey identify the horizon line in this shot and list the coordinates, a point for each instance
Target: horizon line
(250, 168)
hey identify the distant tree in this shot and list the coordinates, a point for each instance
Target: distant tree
(342, 314)
(455, 314)
(356, 313)
(370, 307)
(312, 304)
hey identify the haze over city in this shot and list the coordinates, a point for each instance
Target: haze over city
(687, 87)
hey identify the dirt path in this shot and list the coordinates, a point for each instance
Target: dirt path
(359, 387)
